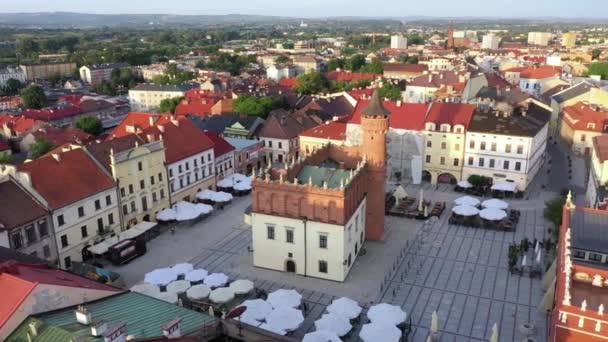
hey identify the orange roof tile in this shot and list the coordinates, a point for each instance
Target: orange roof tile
(15, 291)
(333, 130)
(450, 113)
(409, 116)
(579, 116)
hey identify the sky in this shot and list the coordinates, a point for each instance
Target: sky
(323, 8)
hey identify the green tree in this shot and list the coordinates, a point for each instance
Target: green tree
(12, 87)
(335, 63)
(415, 40)
(40, 147)
(311, 83)
(355, 63)
(90, 124)
(553, 210)
(5, 158)
(54, 79)
(33, 97)
(375, 67)
(27, 47)
(169, 105)
(390, 91)
(282, 59)
(258, 106)
(595, 54)
(598, 69)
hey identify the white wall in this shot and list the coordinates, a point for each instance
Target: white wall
(205, 172)
(305, 250)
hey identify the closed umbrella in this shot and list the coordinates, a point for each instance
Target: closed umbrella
(221, 295)
(257, 309)
(321, 336)
(178, 286)
(146, 289)
(421, 200)
(199, 291)
(334, 323)
(494, 337)
(374, 332)
(386, 313)
(524, 261)
(198, 274)
(495, 203)
(467, 200)
(282, 297)
(346, 307)
(434, 322)
(492, 214)
(241, 286)
(285, 318)
(216, 279)
(465, 210)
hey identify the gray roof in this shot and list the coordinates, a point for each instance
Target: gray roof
(167, 87)
(241, 144)
(107, 66)
(589, 230)
(536, 117)
(219, 123)
(511, 96)
(375, 107)
(572, 92)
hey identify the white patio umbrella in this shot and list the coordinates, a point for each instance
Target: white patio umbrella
(399, 193)
(274, 329)
(321, 336)
(216, 279)
(537, 247)
(225, 183)
(492, 214)
(146, 289)
(538, 257)
(346, 307)
(386, 313)
(285, 318)
(196, 275)
(242, 186)
(199, 291)
(504, 186)
(241, 286)
(257, 309)
(169, 297)
(182, 268)
(373, 332)
(495, 203)
(160, 276)
(334, 323)
(178, 286)
(282, 297)
(465, 184)
(467, 200)
(221, 295)
(249, 320)
(166, 215)
(465, 210)
(434, 322)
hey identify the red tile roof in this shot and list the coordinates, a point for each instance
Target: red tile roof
(450, 113)
(407, 68)
(409, 116)
(18, 124)
(600, 144)
(361, 93)
(52, 114)
(580, 115)
(195, 106)
(17, 207)
(333, 130)
(61, 136)
(74, 177)
(290, 82)
(220, 145)
(435, 80)
(15, 291)
(181, 137)
(537, 73)
(346, 76)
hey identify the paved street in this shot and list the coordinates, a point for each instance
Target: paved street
(460, 272)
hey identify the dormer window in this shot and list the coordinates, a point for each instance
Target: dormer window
(430, 126)
(459, 129)
(445, 128)
(590, 125)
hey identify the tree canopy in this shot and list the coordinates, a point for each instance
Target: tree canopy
(311, 83)
(599, 69)
(553, 210)
(258, 106)
(33, 97)
(335, 63)
(390, 91)
(173, 76)
(169, 105)
(90, 124)
(355, 63)
(282, 59)
(40, 147)
(12, 87)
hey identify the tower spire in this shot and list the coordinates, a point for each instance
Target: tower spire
(375, 107)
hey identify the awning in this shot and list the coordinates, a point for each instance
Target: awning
(131, 233)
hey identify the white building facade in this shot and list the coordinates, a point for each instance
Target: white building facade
(398, 42)
(539, 38)
(490, 42)
(191, 175)
(313, 249)
(277, 73)
(11, 73)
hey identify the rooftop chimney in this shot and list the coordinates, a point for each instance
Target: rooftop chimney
(83, 316)
(99, 328)
(151, 120)
(56, 156)
(172, 329)
(430, 77)
(116, 334)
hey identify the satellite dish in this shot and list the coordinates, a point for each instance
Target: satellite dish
(236, 312)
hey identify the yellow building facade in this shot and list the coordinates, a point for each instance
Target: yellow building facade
(443, 154)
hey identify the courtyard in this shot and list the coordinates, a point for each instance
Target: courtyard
(460, 272)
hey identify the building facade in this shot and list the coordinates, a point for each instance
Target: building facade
(580, 123)
(490, 42)
(398, 42)
(507, 144)
(11, 73)
(569, 39)
(45, 70)
(597, 186)
(539, 38)
(147, 97)
(97, 74)
(247, 154)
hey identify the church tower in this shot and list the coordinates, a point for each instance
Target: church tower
(375, 125)
(450, 41)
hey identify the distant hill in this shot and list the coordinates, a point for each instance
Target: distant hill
(69, 19)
